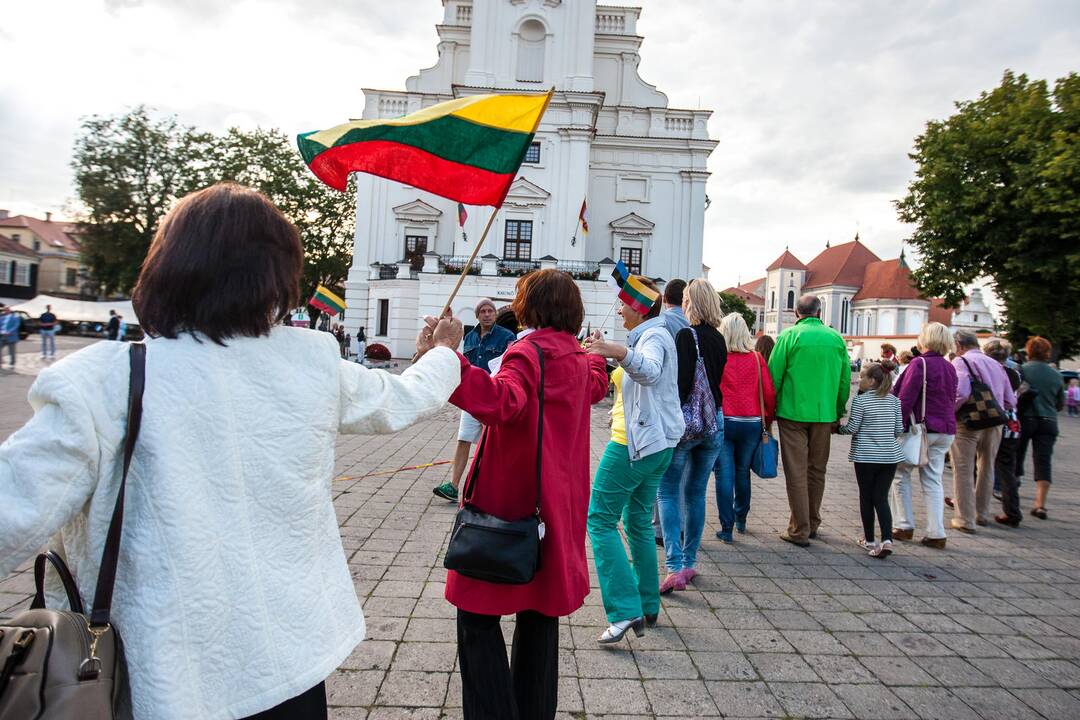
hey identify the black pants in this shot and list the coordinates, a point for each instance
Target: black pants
(309, 706)
(1005, 476)
(525, 689)
(1041, 432)
(875, 479)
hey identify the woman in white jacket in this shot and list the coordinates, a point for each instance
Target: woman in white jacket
(233, 595)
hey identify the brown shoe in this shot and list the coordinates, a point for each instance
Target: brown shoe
(981, 522)
(963, 529)
(787, 538)
(901, 534)
(1006, 520)
(936, 543)
(949, 502)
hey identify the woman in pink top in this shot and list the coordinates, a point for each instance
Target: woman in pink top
(743, 413)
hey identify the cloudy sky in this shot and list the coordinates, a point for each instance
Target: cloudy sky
(816, 102)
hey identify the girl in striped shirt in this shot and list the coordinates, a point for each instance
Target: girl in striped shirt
(874, 424)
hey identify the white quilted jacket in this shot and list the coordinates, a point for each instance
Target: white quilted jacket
(233, 593)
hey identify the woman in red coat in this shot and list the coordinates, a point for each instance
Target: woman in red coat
(504, 485)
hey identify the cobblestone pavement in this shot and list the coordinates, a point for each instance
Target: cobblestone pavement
(988, 628)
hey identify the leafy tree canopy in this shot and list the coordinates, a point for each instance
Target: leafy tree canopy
(997, 194)
(733, 303)
(130, 169)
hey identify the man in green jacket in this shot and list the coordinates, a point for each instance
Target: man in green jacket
(812, 375)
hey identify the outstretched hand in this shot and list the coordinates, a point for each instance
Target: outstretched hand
(444, 332)
(596, 345)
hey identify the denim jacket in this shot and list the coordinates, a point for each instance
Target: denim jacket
(480, 351)
(650, 390)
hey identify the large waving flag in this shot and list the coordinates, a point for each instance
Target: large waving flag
(326, 301)
(468, 149)
(632, 291)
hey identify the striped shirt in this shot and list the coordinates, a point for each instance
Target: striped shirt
(874, 424)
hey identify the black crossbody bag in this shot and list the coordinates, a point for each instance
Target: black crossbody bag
(485, 547)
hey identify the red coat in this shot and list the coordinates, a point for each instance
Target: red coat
(739, 386)
(507, 404)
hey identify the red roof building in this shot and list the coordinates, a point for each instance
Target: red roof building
(18, 271)
(56, 243)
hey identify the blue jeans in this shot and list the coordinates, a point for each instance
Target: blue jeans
(48, 342)
(741, 438)
(682, 499)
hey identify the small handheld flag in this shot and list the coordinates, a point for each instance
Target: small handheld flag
(468, 149)
(462, 216)
(632, 291)
(326, 301)
(583, 217)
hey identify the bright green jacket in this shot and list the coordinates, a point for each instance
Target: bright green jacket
(811, 372)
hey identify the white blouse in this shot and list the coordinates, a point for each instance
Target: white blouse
(233, 593)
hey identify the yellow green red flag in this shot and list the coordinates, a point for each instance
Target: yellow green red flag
(326, 301)
(468, 149)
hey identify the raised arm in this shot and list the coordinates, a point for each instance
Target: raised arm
(48, 469)
(501, 397)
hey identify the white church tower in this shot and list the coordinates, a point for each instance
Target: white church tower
(608, 138)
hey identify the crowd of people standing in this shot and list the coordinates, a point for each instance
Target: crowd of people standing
(695, 397)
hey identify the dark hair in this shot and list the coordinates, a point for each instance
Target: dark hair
(654, 311)
(809, 306)
(1038, 348)
(224, 262)
(549, 299)
(889, 347)
(764, 345)
(673, 291)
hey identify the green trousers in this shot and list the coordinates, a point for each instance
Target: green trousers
(626, 490)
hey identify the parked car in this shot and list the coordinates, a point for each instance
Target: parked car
(28, 324)
(1070, 375)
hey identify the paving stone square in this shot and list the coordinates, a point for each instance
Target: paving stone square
(988, 628)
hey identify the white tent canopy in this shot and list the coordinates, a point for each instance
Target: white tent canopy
(79, 310)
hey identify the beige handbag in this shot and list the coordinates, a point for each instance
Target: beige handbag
(65, 665)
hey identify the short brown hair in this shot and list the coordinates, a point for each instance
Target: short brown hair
(224, 262)
(549, 299)
(1038, 348)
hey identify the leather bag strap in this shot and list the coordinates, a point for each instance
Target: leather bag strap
(70, 588)
(99, 616)
(760, 393)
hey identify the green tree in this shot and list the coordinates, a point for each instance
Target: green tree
(733, 303)
(267, 160)
(129, 170)
(997, 194)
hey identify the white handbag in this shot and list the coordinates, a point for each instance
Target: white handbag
(914, 443)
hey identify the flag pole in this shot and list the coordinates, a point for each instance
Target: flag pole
(491, 220)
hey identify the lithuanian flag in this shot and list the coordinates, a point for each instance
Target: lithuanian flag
(632, 291)
(468, 149)
(326, 301)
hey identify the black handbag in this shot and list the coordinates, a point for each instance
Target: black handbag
(485, 547)
(981, 410)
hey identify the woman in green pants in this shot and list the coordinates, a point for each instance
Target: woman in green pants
(629, 473)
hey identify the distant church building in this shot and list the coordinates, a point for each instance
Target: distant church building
(608, 139)
(861, 295)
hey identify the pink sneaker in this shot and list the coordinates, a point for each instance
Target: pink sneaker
(688, 575)
(674, 581)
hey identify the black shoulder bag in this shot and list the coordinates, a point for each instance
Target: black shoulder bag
(485, 547)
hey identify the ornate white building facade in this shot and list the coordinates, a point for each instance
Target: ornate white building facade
(861, 295)
(608, 137)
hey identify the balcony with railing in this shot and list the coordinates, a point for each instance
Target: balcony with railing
(614, 20)
(489, 266)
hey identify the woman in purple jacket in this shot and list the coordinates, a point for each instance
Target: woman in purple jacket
(935, 342)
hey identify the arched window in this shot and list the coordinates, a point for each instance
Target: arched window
(844, 308)
(790, 299)
(530, 57)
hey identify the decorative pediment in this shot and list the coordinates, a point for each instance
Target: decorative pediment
(632, 224)
(524, 193)
(417, 211)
